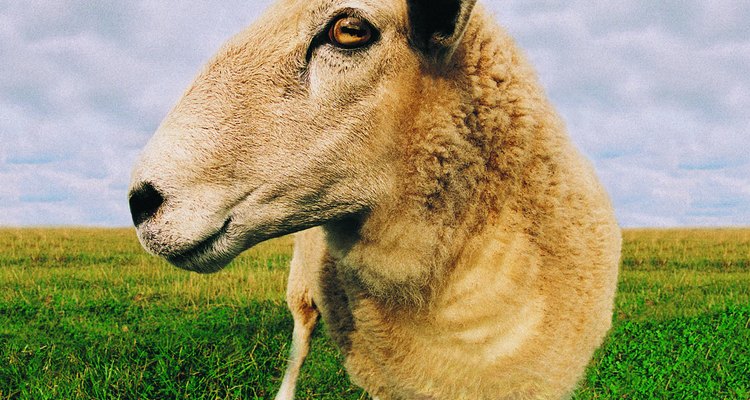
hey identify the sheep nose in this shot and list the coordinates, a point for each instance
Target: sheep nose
(145, 201)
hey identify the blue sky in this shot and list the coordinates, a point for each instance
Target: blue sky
(656, 94)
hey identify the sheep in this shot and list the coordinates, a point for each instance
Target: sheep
(452, 238)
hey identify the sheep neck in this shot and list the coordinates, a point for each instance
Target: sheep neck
(471, 132)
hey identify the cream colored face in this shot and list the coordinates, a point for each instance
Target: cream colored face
(292, 124)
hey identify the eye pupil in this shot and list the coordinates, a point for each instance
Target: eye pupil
(347, 30)
(351, 32)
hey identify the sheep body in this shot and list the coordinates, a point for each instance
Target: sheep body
(461, 247)
(520, 282)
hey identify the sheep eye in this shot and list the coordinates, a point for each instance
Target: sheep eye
(351, 33)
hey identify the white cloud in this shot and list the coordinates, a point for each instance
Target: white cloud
(83, 88)
(656, 93)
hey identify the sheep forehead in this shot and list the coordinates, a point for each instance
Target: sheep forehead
(393, 7)
(276, 43)
(258, 65)
(288, 27)
(308, 16)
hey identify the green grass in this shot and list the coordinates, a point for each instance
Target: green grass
(85, 313)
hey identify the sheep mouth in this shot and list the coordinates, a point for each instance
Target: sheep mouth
(210, 254)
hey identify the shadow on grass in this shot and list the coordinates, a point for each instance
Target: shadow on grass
(109, 350)
(702, 357)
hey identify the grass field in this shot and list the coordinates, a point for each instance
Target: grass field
(85, 313)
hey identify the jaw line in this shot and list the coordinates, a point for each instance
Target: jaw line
(215, 251)
(211, 254)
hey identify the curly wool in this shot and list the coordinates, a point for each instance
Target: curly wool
(491, 271)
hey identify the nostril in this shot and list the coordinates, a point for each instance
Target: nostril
(144, 203)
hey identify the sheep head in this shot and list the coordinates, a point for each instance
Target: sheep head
(296, 122)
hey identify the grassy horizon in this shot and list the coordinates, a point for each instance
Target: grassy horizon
(86, 313)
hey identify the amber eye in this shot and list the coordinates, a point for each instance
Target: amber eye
(351, 32)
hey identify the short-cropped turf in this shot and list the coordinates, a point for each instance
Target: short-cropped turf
(85, 313)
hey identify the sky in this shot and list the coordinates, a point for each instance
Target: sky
(655, 93)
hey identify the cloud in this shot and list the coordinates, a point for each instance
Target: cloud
(655, 93)
(84, 87)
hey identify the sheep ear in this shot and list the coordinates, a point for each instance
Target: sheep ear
(437, 26)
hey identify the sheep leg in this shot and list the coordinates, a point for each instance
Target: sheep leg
(305, 317)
